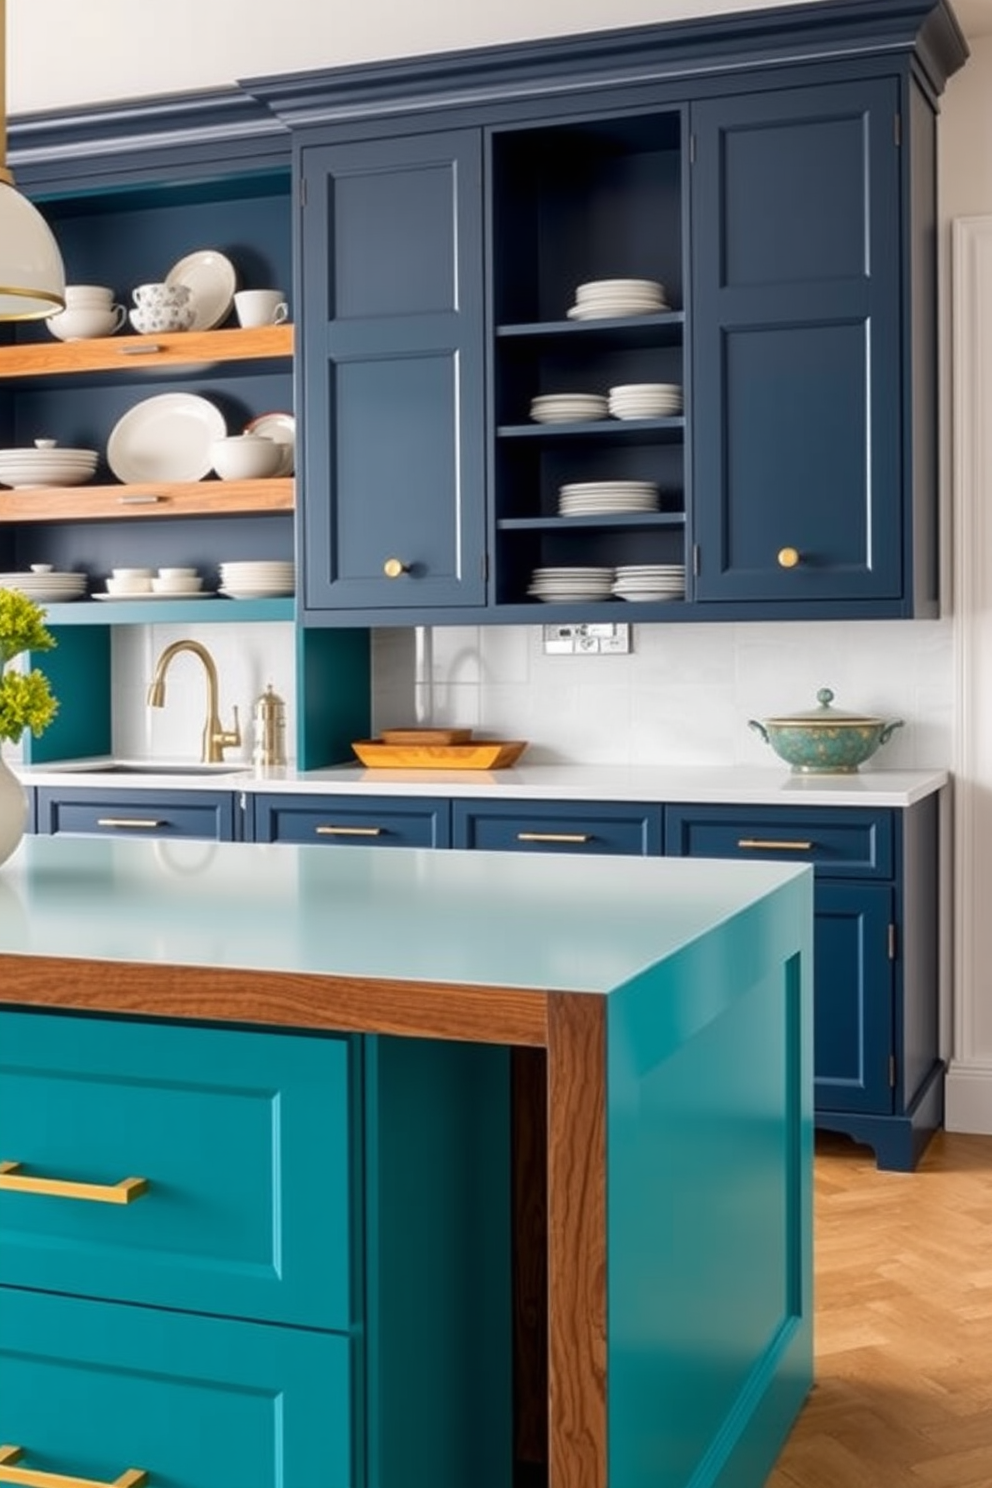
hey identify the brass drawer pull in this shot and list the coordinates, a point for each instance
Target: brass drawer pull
(554, 836)
(146, 500)
(348, 831)
(125, 1192)
(128, 821)
(773, 846)
(133, 1477)
(149, 349)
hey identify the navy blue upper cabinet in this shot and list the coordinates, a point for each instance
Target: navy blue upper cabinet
(391, 360)
(797, 319)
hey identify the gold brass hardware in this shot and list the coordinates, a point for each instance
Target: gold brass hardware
(269, 730)
(140, 350)
(138, 500)
(788, 557)
(133, 1477)
(124, 1192)
(554, 837)
(393, 567)
(348, 831)
(772, 846)
(215, 737)
(128, 821)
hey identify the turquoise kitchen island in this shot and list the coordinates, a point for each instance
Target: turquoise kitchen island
(401, 1170)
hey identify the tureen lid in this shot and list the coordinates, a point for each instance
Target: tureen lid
(825, 714)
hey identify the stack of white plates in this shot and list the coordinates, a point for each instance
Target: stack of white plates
(602, 298)
(568, 408)
(46, 587)
(257, 579)
(647, 581)
(606, 498)
(556, 584)
(24, 468)
(634, 400)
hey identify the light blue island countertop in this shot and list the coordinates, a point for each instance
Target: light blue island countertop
(671, 1000)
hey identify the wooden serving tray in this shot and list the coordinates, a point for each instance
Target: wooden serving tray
(480, 754)
(425, 736)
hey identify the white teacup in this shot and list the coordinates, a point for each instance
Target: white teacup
(84, 322)
(162, 307)
(90, 295)
(260, 307)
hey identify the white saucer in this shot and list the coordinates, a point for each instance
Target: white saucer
(211, 281)
(192, 594)
(280, 427)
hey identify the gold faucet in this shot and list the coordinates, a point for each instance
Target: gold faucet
(215, 738)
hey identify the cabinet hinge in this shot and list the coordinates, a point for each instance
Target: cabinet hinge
(484, 565)
(696, 561)
(892, 942)
(892, 1071)
(897, 130)
(692, 149)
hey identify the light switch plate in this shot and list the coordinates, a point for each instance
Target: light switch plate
(594, 639)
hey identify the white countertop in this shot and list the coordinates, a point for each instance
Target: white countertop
(746, 785)
(410, 914)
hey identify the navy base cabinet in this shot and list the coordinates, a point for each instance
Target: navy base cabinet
(73, 810)
(879, 1075)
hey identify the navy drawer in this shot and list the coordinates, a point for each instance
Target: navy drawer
(558, 826)
(136, 813)
(220, 1124)
(841, 842)
(340, 821)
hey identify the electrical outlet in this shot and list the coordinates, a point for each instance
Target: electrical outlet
(594, 639)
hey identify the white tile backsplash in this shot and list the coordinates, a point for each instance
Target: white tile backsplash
(683, 695)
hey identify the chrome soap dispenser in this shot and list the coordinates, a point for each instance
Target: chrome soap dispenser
(269, 730)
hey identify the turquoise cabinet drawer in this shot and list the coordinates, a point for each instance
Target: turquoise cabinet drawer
(91, 1389)
(558, 827)
(244, 1139)
(841, 842)
(135, 813)
(342, 821)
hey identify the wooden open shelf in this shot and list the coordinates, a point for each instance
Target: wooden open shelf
(162, 499)
(127, 353)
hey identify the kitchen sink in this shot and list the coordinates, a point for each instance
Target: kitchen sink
(151, 767)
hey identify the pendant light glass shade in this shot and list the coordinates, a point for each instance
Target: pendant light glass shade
(32, 278)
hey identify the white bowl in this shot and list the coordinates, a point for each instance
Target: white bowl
(245, 456)
(181, 584)
(177, 573)
(129, 585)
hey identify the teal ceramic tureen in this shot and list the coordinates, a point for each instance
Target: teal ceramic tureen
(825, 740)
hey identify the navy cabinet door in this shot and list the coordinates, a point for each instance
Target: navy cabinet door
(853, 1034)
(391, 373)
(796, 294)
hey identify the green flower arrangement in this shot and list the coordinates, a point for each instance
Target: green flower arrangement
(26, 699)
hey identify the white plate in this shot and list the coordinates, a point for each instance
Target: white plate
(191, 594)
(276, 593)
(282, 428)
(211, 281)
(166, 438)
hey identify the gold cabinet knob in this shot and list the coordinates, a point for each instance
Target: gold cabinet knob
(393, 567)
(788, 557)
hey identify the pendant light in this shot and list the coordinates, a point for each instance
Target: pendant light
(32, 278)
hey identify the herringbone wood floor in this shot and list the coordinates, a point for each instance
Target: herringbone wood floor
(903, 1319)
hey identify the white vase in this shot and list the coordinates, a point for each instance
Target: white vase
(13, 811)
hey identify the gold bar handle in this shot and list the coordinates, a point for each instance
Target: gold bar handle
(125, 1192)
(128, 821)
(773, 846)
(144, 500)
(132, 1477)
(554, 837)
(332, 831)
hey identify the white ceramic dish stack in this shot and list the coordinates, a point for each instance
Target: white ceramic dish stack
(552, 585)
(45, 465)
(639, 400)
(45, 585)
(607, 498)
(568, 408)
(649, 581)
(258, 578)
(600, 299)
